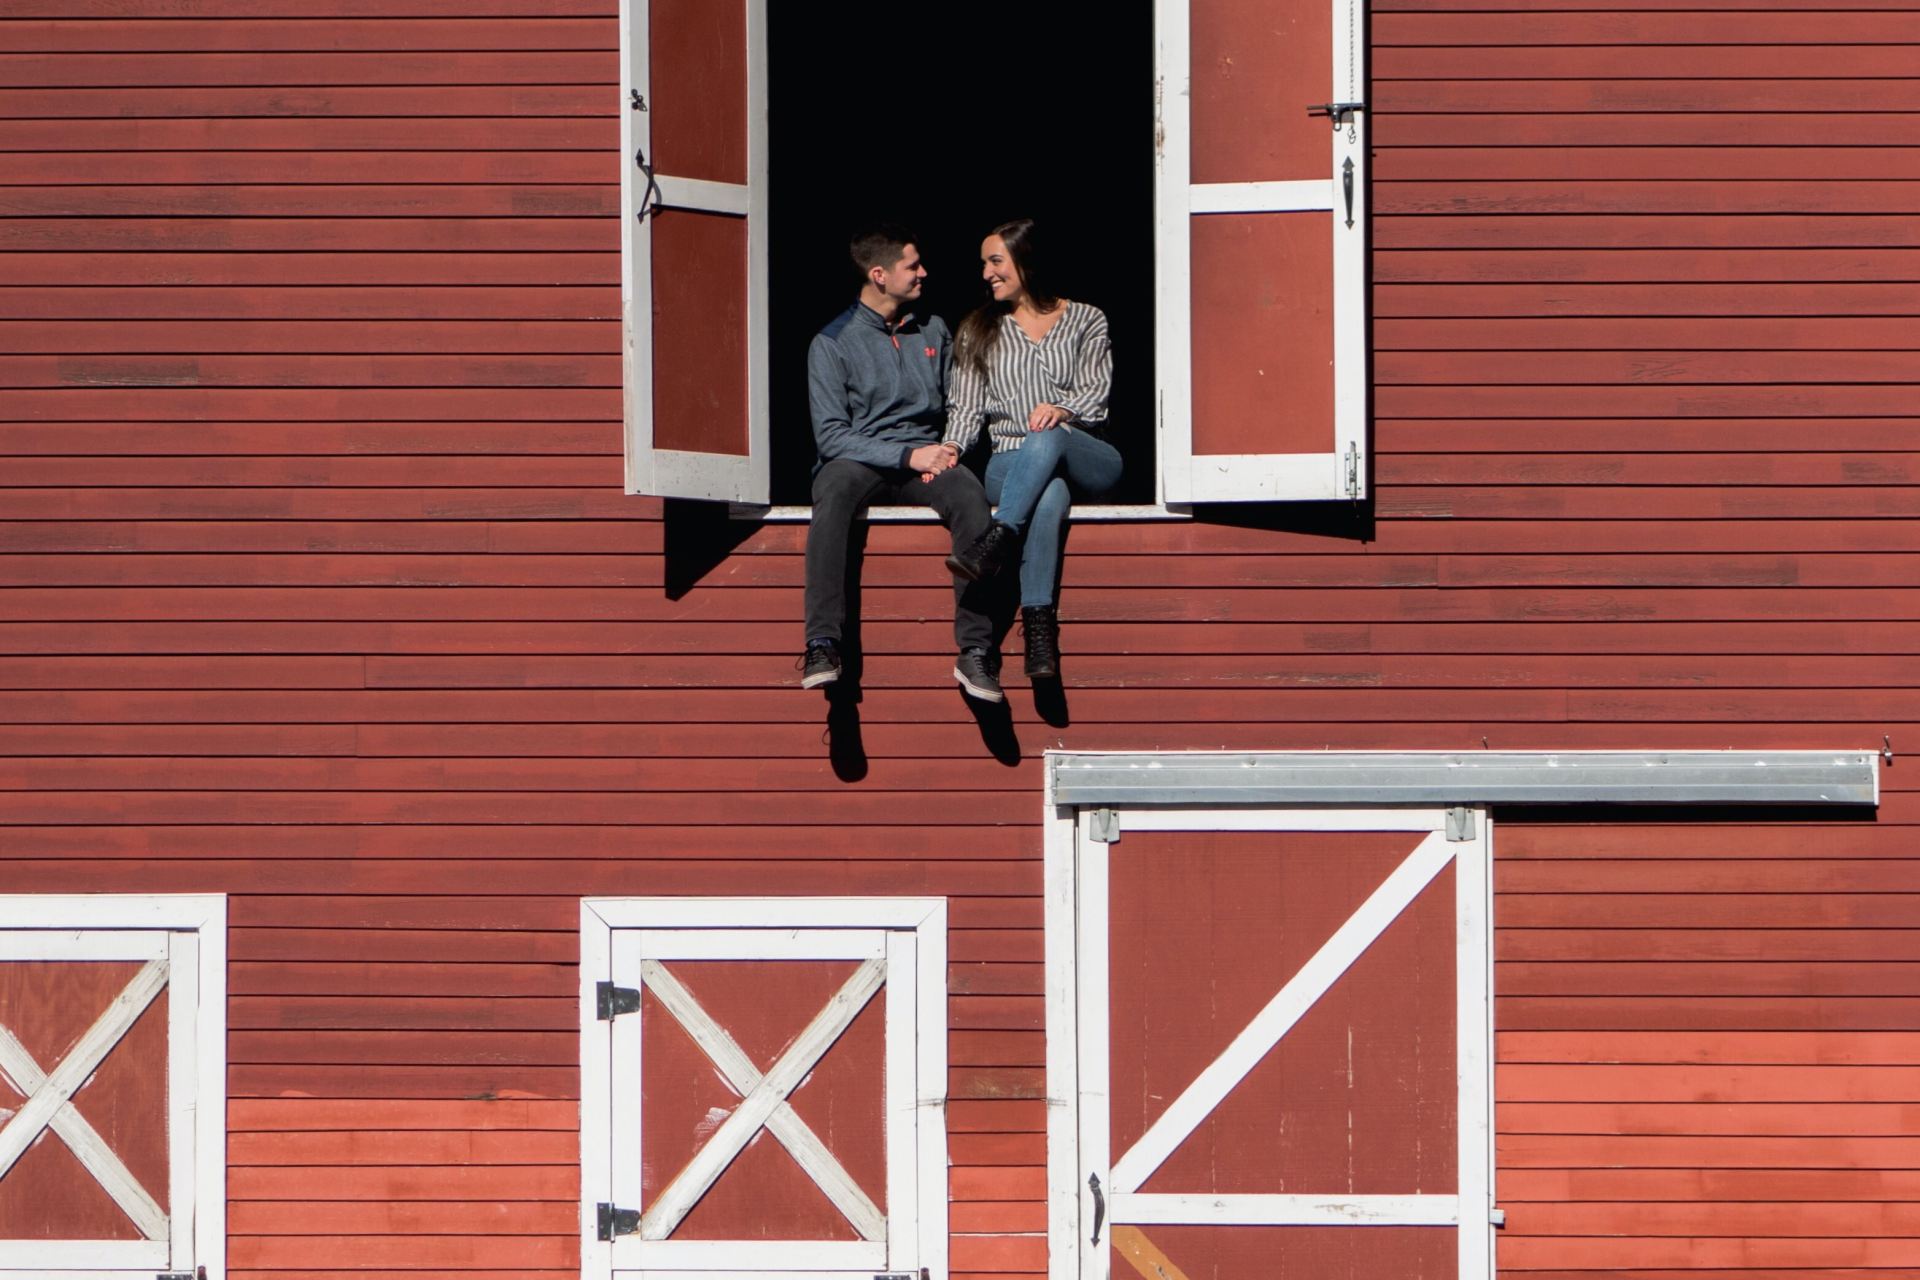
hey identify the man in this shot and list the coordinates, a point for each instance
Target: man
(876, 382)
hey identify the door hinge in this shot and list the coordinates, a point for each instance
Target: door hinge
(1459, 824)
(616, 1222)
(1103, 826)
(921, 1274)
(198, 1273)
(613, 1001)
(1353, 471)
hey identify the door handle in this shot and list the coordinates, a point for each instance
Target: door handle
(1099, 1205)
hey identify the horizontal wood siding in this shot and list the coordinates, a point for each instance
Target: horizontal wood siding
(317, 588)
(1642, 319)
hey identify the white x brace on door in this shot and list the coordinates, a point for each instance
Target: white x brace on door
(763, 1084)
(1281, 1059)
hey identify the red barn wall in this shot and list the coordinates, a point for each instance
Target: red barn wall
(317, 588)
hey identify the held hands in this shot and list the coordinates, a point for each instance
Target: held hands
(1046, 416)
(931, 459)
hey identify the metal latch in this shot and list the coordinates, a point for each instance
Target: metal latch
(1339, 112)
(1103, 826)
(612, 1001)
(1459, 824)
(617, 1222)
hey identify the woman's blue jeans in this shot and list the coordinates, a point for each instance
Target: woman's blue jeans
(1035, 484)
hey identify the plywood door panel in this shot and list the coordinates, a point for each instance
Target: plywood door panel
(765, 1005)
(97, 1083)
(47, 1006)
(1275, 1048)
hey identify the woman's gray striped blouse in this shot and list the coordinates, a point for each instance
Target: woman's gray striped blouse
(1071, 367)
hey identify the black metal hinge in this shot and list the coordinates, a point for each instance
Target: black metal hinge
(198, 1273)
(617, 1222)
(613, 1001)
(1338, 112)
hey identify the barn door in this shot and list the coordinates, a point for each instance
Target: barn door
(695, 215)
(771, 1101)
(104, 1164)
(1283, 1046)
(1261, 217)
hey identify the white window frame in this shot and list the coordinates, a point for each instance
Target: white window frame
(1075, 871)
(190, 932)
(745, 481)
(916, 930)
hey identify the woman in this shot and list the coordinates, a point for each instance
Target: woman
(1034, 369)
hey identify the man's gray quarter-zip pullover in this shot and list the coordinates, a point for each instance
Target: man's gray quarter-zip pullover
(877, 389)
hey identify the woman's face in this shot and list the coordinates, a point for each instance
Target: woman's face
(997, 269)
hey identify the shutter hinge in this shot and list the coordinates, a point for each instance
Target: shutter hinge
(1103, 826)
(1337, 112)
(1459, 824)
(1353, 470)
(616, 1222)
(613, 1001)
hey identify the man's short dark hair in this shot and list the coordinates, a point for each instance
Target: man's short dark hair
(880, 245)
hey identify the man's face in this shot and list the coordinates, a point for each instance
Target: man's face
(902, 280)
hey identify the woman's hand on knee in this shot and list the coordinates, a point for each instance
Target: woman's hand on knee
(1045, 417)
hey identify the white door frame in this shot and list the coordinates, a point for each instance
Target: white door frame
(623, 938)
(1077, 995)
(182, 940)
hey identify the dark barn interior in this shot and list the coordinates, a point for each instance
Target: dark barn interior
(951, 119)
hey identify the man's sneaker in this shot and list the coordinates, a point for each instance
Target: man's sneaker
(819, 665)
(987, 554)
(978, 673)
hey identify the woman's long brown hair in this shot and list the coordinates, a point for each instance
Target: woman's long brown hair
(981, 329)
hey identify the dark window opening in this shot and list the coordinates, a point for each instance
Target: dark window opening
(952, 119)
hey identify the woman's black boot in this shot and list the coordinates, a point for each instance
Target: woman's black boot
(987, 555)
(1040, 624)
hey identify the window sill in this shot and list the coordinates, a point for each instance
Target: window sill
(924, 515)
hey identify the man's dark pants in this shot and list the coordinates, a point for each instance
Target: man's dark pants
(841, 489)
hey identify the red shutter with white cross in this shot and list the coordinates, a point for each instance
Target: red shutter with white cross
(97, 1073)
(1261, 233)
(694, 205)
(1282, 1053)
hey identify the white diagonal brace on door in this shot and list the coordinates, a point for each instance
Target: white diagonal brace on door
(784, 1123)
(54, 1091)
(692, 1182)
(26, 1077)
(1333, 958)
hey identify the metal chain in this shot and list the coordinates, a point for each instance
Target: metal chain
(1353, 66)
